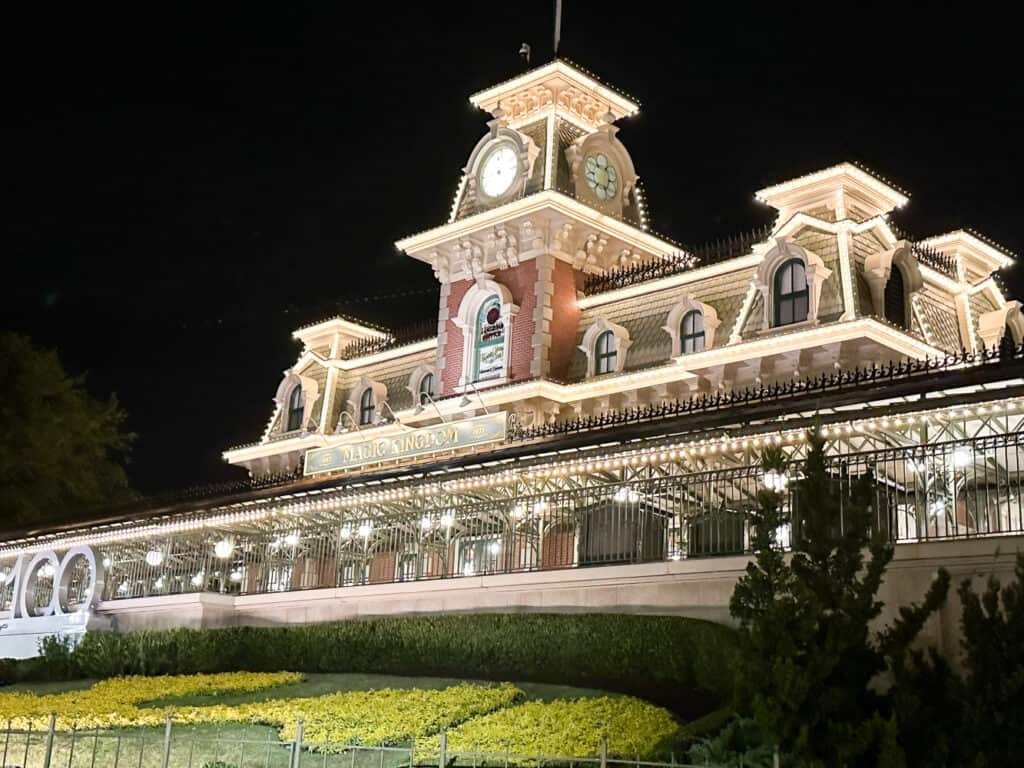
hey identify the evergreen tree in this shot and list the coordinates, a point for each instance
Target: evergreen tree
(809, 655)
(974, 720)
(58, 446)
(993, 688)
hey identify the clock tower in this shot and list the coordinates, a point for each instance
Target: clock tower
(548, 195)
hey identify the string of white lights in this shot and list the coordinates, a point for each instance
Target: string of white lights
(309, 503)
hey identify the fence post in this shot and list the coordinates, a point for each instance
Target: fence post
(298, 744)
(167, 742)
(49, 740)
(775, 758)
(604, 751)
(442, 758)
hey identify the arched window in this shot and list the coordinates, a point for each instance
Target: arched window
(489, 360)
(792, 299)
(691, 332)
(896, 299)
(294, 420)
(426, 388)
(605, 352)
(367, 407)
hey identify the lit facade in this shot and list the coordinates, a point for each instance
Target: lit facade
(594, 395)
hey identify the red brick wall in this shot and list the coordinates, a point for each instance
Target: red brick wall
(521, 283)
(565, 319)
(452, 352)
(382, 568)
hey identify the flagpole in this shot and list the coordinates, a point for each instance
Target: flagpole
(558, 24)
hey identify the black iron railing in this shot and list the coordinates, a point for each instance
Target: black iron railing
(666, 266)
(398, 338)
(825, 383)
(940, 262)
(946, 490)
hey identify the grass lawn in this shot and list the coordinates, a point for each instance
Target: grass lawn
(236, 745)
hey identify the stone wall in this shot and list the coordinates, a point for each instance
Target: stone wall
(697, 588)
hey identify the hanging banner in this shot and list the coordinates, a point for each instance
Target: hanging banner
(418, 442)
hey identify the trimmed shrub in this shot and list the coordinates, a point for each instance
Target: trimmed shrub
(385, 716)
(564, 727)
(685, 664)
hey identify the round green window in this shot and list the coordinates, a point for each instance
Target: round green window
(602, 178)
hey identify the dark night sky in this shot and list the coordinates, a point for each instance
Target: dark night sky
(190, 184)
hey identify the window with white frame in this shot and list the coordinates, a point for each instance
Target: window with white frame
(691, 332)
(294, 416)
(605, 345)
(367, 407)
(606, 351)
(792, 297)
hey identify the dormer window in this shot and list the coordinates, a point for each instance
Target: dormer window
(792, 298)
(605, 344)
(367, 408)
(691, 332)
(606, 350)
(426, 389)
(692, 325)
(294, 417)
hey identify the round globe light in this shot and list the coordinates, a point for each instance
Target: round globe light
(223, 549)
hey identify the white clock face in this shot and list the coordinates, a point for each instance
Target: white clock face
(499, 171)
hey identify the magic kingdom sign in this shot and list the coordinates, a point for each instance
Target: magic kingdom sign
(417, 442)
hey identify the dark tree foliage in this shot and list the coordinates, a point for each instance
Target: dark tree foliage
(808, 654)
(58, 446)
(993, 642)
(975, 719)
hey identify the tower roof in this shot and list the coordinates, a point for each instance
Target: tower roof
(557, 85)
(873, 192)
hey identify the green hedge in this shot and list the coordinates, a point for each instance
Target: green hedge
(685, 664)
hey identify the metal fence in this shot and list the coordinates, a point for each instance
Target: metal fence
(635, 513)
(181, 747)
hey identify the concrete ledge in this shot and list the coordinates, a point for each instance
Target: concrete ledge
(696, 588)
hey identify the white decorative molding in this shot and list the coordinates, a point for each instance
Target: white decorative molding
(993, 325)
(543, 312)
(593, 333)
(416, 378)
(675, 319)
(442, 333)
(764, 276)
(878, 268)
